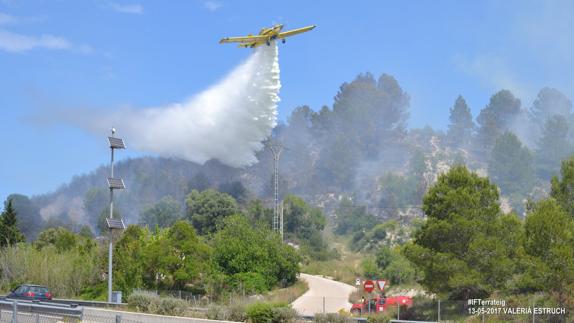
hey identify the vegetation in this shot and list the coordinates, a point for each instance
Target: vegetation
(9, 232)
(236, 251)
(355, 160)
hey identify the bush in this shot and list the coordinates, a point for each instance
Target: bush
(249, 282)
(237, 313)
(149, 302)
(172, 306)
(331, 318)
(216, 312)
(270, 313)
(378, 318)
(142, 300)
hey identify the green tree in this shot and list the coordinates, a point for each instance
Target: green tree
(236, 190)
(511, 165)
(256, 212)
(61, 238)
(549, 244)
(162, 214)
(496, 118)
(9, 232)
(461, 125)
(199, 182)
(385, 257)
(352, 218)
(553, 146)
(207, 209)
(300, 219)
(129, 261)
(549, 103)
(240, 248)
(29, 220)
(176, 257)
(464, 249)
(562, 188)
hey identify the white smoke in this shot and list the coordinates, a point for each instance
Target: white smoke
(227, 122)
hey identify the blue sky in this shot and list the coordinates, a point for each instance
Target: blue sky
(104, 55)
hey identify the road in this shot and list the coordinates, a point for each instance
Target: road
(323, 294)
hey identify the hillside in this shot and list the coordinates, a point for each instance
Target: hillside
(361, 147)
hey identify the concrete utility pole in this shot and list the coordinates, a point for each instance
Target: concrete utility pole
(113, 184)
(276, 149)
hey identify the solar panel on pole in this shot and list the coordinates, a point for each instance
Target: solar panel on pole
(116, 143)
(116, 183)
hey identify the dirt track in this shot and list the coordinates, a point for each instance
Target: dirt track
(333, 294)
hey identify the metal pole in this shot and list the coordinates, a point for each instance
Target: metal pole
(276, 190)
(14, 312)
(398, 311)
(323, 304)
(111, 248)
(281, 222)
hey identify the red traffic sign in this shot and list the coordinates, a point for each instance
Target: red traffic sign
(369, 286)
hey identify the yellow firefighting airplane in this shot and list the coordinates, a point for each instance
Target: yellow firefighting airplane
(266, 35)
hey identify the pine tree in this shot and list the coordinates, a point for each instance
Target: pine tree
(553, 146)
(10, 234)
(461, 124)
(497, 117)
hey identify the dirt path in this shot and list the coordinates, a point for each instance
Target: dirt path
(323, 294)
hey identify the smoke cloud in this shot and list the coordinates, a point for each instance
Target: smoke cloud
(227, 122)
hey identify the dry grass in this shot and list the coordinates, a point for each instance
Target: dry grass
(65, 273)
(287, 295)
(346, 269)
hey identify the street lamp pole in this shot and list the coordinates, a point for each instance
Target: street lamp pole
(113, 184)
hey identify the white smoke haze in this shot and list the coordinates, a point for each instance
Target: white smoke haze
(227, 122)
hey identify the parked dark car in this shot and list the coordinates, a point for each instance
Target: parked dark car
(31, 292)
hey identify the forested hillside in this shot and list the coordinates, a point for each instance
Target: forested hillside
(360, 147)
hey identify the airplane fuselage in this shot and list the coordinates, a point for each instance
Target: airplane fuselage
(265, 36)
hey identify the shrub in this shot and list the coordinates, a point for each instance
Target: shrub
(270, 313)
(260, 313)
(331, 318)
(151, 303)
(216, 312)
(236, 313)
(249, 282)
(378, 318)
(172, 306)
(142, 300)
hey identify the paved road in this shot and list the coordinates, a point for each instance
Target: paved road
(323, 293)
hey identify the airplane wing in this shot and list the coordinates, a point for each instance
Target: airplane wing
(294, 32)
(244, 39)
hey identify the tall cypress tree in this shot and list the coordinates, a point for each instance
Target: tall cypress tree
(9, 232)
(461, 124)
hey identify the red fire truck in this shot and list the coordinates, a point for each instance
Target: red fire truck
(381, 303)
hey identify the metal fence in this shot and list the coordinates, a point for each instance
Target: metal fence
(22, 312)
(13, 311)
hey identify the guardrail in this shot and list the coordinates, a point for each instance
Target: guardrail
(71, 302)
(17, 307)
